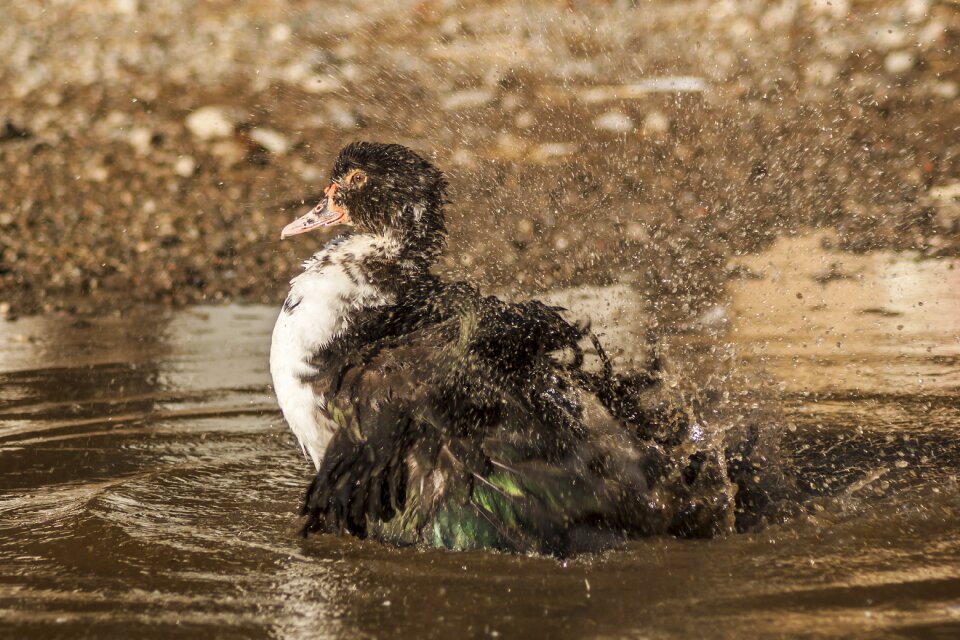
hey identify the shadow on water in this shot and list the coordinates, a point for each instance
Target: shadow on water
(149, 486)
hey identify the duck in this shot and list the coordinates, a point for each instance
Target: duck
(439, 417)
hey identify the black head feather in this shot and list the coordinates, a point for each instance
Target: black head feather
(389, 188)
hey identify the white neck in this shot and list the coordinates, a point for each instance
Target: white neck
(321, 304)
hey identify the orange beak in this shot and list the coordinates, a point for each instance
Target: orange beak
(326, 214)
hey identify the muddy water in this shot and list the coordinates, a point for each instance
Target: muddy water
(148, 485)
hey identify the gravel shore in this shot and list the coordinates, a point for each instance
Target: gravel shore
(152, 151)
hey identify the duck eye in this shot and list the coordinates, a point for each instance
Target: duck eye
(358, 178)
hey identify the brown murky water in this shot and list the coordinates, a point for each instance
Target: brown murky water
(148, 485)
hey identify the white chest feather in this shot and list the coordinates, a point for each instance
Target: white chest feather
(319, 307)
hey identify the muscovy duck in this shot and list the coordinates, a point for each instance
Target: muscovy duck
(439, 417)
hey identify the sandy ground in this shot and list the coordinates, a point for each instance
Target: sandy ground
(151, 151)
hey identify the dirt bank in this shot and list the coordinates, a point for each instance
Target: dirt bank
(152, 151)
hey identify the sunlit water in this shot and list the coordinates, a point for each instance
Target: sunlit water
(148, 486)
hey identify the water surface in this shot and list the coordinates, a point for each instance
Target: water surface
(148, 485)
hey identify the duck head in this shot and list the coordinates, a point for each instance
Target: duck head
(383, 189)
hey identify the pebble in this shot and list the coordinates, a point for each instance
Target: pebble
(888, 37)
(551, 150)
(832, 8)
(741, 29)
(946, 201)
(208, 123)
(97, 173)
(126, 7)
(140, 139)
(450, 26)
(917, 9)
(467, 99)
(525, 227)
(228, 152)
(311, 173)
(280, 32)
(524, 120)
(637, 232)
(655, 123)
(898, 62)
(510, 146)
(511, 102)
(614, 121)
(185, 166)
(778, 16)
(463, 158)
(270, 139)
(341, 116)
(932, 33)
(947, 89)
(821, 72)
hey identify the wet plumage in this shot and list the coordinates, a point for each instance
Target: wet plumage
(440, 417)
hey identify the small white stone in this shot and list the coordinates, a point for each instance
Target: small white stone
(511, 102)
(140, 138)
(352, 72)
(296, 72)
(576, 68)
(778, 16)
(917, 9)
(450, 26)
(280, 32)
(463, 158)
(946, 89)
(467, 99)
(270, 139)
(126, 7)
(524, 120)
(614, 121)
(656, 122)
(117, 119)
(346, 50)
(525, 227)
(510, 146)
(898, 62)
(311, 174)
(832, 8)
(821, 72)
(932, 33)
(554, 150)
(208, 123)
(888, 37)
(97, 173)
(228, 152)
(723, 10)
(946, 193)
(741, 29)
(341, 116)
(637, 231)
(185, 166)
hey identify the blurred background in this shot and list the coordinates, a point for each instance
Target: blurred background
(151, 151)
(772, 187)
